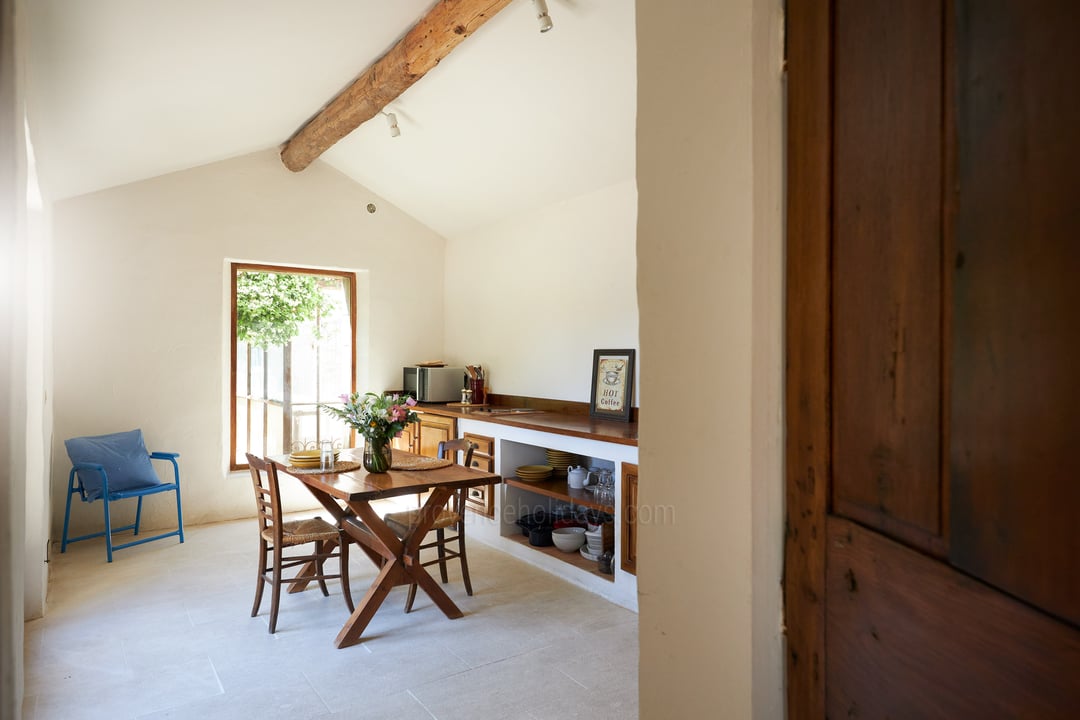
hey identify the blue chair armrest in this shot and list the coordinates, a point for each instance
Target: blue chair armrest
(171, 457)
(90, 467)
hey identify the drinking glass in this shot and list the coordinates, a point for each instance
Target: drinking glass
(326, 455)
(607, 487)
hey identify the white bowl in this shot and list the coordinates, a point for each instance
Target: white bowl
(568, 539)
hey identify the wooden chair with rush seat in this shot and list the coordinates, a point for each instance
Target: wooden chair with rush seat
(451, 516)
(276, 534)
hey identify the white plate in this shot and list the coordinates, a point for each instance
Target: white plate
(588, 555)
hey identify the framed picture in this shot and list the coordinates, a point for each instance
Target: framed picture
(612, 384)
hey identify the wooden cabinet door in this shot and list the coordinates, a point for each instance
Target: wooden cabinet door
(628, 513)
(932, 563)
(407, 440)
(433, 430)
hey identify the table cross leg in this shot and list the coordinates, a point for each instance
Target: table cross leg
(365, 611)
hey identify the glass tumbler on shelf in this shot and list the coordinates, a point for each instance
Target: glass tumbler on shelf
(607, 487)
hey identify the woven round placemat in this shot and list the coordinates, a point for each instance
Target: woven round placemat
(339, 466)
(417, 462)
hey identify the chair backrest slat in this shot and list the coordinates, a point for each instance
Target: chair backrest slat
(267, 494)
(448, 450)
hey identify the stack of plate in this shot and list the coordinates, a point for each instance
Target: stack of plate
(594, 544)
(559, 460)
(533, 473)
(307, 458)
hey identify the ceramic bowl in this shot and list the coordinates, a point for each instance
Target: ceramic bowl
(568, 539)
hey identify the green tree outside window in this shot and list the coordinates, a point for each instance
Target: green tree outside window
(271, 307)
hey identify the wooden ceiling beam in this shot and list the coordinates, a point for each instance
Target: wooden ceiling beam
(444, 28)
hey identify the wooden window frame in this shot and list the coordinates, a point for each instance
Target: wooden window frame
(235, 268)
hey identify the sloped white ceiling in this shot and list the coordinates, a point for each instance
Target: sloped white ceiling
(513, 120)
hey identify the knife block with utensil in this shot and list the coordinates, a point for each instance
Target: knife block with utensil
(476, 383)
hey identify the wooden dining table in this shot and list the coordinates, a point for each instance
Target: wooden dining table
(348, 496)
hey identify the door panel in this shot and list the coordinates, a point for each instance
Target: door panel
(1016, 327)
(907, 637)
(887, 236)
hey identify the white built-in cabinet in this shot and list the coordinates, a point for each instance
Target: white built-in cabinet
(513, 447)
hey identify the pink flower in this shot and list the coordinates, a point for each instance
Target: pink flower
(410, 402)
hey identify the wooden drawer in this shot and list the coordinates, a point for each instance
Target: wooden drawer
(482, 499)
(485, 446)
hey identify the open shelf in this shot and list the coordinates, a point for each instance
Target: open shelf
(574, 558)
(558, 489)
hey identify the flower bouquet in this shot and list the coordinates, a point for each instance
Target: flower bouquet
(379, 418)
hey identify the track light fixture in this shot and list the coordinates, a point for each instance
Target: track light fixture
(542, 15)
(391, 121)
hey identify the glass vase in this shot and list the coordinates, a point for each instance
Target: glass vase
(377, 455)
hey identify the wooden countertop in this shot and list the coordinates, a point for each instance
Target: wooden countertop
(552, 421)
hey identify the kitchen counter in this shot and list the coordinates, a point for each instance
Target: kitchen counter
(521, 415)
(514, 431)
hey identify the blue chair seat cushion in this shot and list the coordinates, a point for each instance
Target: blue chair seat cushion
(124, 457)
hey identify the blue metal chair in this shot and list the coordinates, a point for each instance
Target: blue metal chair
(117, 467)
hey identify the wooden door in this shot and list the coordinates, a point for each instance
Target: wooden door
(932, 562)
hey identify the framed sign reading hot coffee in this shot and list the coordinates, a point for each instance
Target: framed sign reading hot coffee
(612, 384)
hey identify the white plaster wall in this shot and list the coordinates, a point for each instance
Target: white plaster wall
(709, 258)
(532, 296)
(38, 389)
(15, 296)
(768, 105)
(141, 307)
